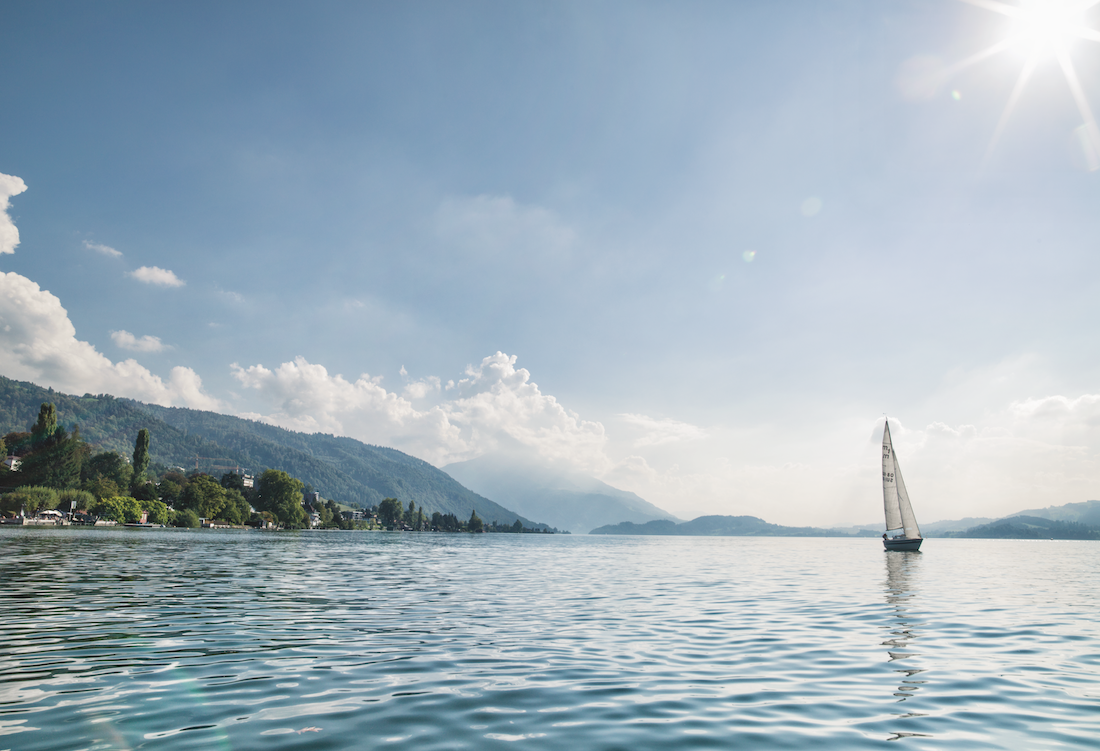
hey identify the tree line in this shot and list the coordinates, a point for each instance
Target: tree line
(58, 469)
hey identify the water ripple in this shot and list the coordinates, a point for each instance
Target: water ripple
(120, 639)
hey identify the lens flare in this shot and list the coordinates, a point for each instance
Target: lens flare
(1042, 29)
(749, 255)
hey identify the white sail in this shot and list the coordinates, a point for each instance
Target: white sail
(889, 486)
(895, 498)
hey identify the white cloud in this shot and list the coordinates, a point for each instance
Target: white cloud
(495, 406)
(656, 432)
(106, 250)
(1084, 410)
(490, 225)
(304, 396)
(158, 276)
(10, 185)
(126, 340)
(421, 389)
(38, 343)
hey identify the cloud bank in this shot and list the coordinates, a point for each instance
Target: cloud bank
(495, 406)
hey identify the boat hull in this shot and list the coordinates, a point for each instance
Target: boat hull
(903, 543)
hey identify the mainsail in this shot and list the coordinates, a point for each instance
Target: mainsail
(895, 498)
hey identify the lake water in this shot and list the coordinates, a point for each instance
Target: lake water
(126, 639)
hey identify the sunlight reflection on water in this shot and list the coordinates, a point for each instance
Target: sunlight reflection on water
(124, 638)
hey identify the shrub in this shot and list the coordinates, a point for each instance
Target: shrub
(31, 499)
(75, 500)
(185, 518)
(121, 508)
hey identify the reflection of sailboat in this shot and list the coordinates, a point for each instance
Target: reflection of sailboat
(902, 532)
(900, 644)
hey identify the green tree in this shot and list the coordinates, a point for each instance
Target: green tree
(121, 508)
(233, 481)
(47, 422)
(108, 465)
(205, 496)
(75, 500)
(145, 491)
(185, 518)
(102, 487)
(390, 512)
(30, 500)
(141, 457)
(169, 491)
(281, 495)
(157, 511)
(56, 460)
(475, 524)
(237, 510)
(517, 527)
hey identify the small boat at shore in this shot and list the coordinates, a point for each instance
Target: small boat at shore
(902, 532)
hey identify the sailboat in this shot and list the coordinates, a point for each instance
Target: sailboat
(902, 532)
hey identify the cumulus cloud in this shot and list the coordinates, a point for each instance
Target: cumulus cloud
(422, 388)
(1084, 409)
(10, 185)
(38, 342)
(495, 405)
(158, 276)
(489, 225)
(304, 396)
(126, 340)
(106, 250)
(655, 432)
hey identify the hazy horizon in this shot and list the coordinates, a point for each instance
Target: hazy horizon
(693, 250)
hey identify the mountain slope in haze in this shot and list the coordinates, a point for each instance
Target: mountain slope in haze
(1023, 527)
(1087, 512)
(342, 469)
(564, 499)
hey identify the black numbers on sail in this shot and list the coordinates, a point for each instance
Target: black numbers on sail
(886, 453)
(888, 476)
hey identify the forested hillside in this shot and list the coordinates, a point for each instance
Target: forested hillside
(342, 469)
(105, 422)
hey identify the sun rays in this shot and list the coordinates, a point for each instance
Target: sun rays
(1042, 29)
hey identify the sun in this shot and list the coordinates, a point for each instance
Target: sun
(1042, 29)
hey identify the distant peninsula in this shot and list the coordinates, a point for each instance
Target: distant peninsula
(1030, 528)
(724, 526)
(1073, 521)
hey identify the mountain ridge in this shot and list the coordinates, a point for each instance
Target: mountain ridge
(343, 469)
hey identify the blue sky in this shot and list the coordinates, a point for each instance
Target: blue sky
(713, 242)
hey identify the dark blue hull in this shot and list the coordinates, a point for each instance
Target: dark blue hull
(903, 543)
